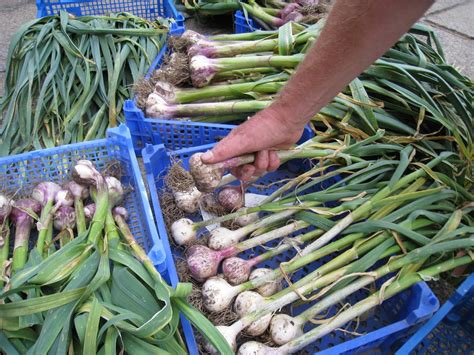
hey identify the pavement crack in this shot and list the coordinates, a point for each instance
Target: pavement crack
(447, 29)
(447, 8)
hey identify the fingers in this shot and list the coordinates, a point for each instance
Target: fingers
(244, 172)
(237, 143)
(265, 161)
(258, 133)
(273, 161)
(261, 162)
(222, 151)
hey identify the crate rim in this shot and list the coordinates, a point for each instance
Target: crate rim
(456, 298)
(44, 152)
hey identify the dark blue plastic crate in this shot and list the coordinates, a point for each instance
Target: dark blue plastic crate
(450, 330)
(391, 320)
(149, 9)
(21, 173)
(244, 25)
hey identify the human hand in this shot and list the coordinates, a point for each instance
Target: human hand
(262, 134)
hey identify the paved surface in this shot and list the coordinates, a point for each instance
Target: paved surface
(13, 13)
(452, 20)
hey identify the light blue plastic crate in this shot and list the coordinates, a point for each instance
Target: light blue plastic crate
(395, 318)
(19, 174)
(149, 9)
(244, 25)
(450, 330)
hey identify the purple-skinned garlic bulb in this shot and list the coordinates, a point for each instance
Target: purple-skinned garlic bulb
(115, 189)
(236, 270)
(78, 190)
(206, 176)
(5, 208)
(202, 70)
(45, 192)
(64, 197)
(64, 218)
(157, 107)
(204, 262)
(231, 198)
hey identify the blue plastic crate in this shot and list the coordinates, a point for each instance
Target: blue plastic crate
(450, 330)
(244, 25)
(149, 9)
(392, 320)
(173, 134)
(21, 173)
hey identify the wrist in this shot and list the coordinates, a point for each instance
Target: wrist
(286, 116)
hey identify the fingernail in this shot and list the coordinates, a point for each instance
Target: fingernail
(247, 172)
(245, 177)
(207, 155)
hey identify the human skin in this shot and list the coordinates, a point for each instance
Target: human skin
(356, 33)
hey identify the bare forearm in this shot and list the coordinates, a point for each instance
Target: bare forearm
(355, 35)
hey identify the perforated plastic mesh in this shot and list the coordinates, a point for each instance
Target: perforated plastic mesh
(173, 134)
(19, 174)
(149, 9)
(243, 24)
(454, 334)
(177, 136)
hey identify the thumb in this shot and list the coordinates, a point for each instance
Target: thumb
(231, 146)
(254, 135)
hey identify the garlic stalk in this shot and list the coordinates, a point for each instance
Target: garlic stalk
(367, 207)
(392, 265)
(80, 193)
(22, 217)
(45, 193)
(358, 309)
(203, 261)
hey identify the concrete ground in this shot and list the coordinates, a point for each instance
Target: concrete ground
(452, 20)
